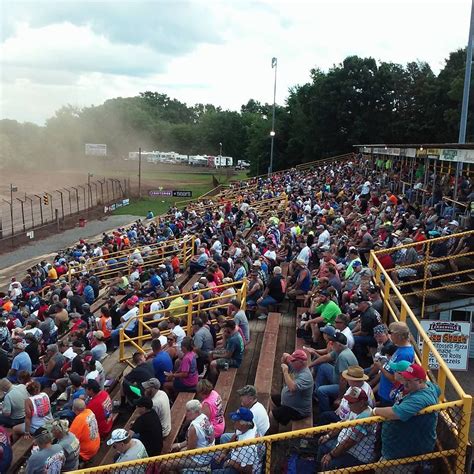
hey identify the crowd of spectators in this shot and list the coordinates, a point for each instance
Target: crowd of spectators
(54, 343)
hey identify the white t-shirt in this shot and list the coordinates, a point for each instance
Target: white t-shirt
(343, 410)
(130, 314)
(178, 331)
(350, 338)
(324, 238)
(260, 419)
(304, 254)
(156, 306)
(161, 404)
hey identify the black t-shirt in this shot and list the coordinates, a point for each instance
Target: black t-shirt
(77, 365)
(4, 364)
(275, 289)
(368, 320)
(141, 373)
(33, 351)
(148, 426)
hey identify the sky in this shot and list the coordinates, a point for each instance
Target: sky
(54, 53)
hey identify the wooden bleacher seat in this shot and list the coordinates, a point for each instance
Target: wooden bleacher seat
(305, 422)
(189, 285)
(178, 414)
(224, 385)
(264, 374)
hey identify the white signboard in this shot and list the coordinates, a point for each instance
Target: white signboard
(96, 149)
(451, 339)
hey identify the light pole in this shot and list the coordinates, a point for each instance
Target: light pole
(272, 133)
(220, 148)
(465, 97)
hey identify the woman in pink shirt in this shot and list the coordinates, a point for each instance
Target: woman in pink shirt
(185, 378)
(211, 403)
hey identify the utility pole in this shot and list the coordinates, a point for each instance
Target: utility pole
(139, 173)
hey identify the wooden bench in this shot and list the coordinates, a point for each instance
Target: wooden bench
(20, 451)
(224, 385)
(178, 414)
(189, 285)
(299, 343)
(264, 373)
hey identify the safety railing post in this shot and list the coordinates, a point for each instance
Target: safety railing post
(121, 345)
(268, 457)
(463, 437)
(140, 324)
(190, 319)
(425, 271)
(184, 251)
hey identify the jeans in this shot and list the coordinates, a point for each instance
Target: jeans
(44, 381)
(345, 460)
(325, 390)
(115, 336)
(361, 343)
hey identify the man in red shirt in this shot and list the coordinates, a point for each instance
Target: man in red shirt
(100, 404)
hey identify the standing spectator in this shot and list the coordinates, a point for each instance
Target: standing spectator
(128, 448)
(295, 401)
(101, 405)
(147, 427)
(69, 443)
(86, 430)
(405, 433)
(49, 458)
(211, 403)
(161, 403)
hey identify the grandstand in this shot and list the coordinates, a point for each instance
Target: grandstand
(286, 213)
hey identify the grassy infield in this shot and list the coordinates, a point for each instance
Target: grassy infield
(198, 183)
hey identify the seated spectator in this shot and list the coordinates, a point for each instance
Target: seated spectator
(86, 430)
(211, 403)
(147, 427)
(99, 348)
(51, 363)
(240, 318)
(363, 331)
(295, 400)
(330, 384)
(162, 361)
(130, 314)
(142, 372)
(13, 408)
(273, 294)
(354, 445)
(6, 450)
(203, 343)
(243, 459)
(185, 378)
(21, 361)
(176, 329)
(161, 403)
(68, 441)
(199, 263)
(400, 336)
(232, 354)
(200, 434)
(324, 314)
(48, 458)
(302, 280)
(415, 434)
(341, 324)
(128, 448)
(100, 404)
(37, 411)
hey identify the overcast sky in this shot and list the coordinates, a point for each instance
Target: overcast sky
(83, 52)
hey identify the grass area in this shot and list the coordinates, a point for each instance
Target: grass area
(198, 183)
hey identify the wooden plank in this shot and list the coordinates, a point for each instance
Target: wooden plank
(264, 373)
(178, 414)
(224, 385)
(20, 450)
(189, 285)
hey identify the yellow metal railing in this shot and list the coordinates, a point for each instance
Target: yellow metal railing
(187, 311)
(324, 161)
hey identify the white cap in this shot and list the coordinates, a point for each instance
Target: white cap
(455, 223)
(117, 436)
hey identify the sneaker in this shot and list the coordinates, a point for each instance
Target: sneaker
(262, 317)
(304, 317)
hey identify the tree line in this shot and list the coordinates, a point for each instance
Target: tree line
(357, 101)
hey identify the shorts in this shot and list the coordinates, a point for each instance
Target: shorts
(222, 363)
(284, 414)
(268, 301)
(179, 386)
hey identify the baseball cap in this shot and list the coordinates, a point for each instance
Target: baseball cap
(152, 383)
(98, 335)
(75, 378)
(247, 390)
(356, 263)
(242, 414)
(329, 330)
(117, 436)
(92, 385)
(235, 302)
(399, 366)
(414, 371)
(355, 394)
(130, 302)
(380, 329)
(300, 355)
(144, 402)
(340, 338)
(324, 293)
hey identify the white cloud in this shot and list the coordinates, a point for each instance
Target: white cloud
(46, 65)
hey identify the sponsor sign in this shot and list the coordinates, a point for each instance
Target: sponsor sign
(451, 339)
(96, 149)
(185, 194)
(169, 193)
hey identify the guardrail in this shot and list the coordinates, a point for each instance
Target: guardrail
(190, 308)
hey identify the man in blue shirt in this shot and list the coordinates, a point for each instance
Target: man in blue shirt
(405, 433)
(232, 354)
(161, 361)
(400, 336)
(21, 361)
